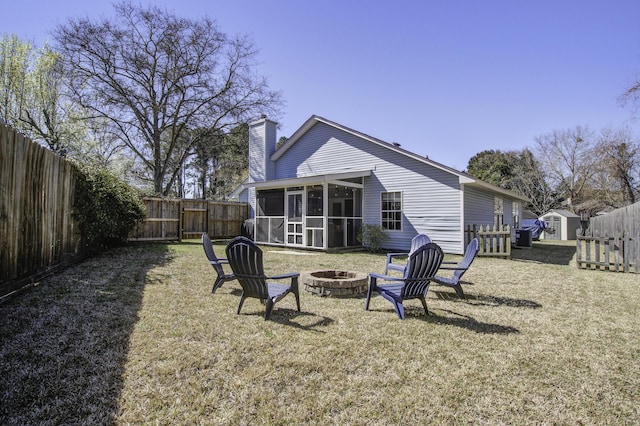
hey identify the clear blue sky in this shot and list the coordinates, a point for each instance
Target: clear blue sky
(446, 79)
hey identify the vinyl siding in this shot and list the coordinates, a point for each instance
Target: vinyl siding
(262, 135)
(478, 208)
(430, 196)
(257, 154)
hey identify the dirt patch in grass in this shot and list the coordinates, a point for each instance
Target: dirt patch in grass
(135, 336)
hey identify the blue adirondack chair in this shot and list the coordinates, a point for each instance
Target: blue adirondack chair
(217, 263)
(422, 266)
(245, 259)
(454, 281)
(416, 242)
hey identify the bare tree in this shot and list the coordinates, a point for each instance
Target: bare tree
(618, 170)
(530, 180)
(156, 76)
(567, 158)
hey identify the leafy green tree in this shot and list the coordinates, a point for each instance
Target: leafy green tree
(47, 115)
(15, 57)
(32, 95)
(156, 77)
(493, 166)
(220, 162)
(231, 163)
(518, 171)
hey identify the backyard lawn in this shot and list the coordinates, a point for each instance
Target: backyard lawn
(136, 337)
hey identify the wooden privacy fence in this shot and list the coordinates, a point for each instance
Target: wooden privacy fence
(618, 254)
(38, 233)
(612, 241)
(494, 241)
(178, 219)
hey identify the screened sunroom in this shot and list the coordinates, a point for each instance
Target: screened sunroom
(320, 213)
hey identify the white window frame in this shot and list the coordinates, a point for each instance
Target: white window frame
(498, 212)
(397, 197)
(515, 211)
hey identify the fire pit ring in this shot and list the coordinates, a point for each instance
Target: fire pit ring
(334, 283)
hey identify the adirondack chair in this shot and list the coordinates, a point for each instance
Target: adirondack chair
(416, 242)
(216, 262)
(422, 266)
(460, 268)
(245, 259)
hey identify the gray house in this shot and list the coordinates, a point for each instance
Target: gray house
(318, 188)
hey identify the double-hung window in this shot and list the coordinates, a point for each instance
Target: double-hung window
(391, 212)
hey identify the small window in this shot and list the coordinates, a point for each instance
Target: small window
(515, 209)
(391, 212)
(498, 212)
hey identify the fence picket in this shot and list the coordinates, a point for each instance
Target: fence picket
(37, 232)
(494, 241)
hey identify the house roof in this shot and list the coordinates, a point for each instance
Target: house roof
(465, 178)
(560, 212)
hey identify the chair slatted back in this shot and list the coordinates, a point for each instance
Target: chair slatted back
(418, 241)
(211, 255)
(469, 254)
(421, 268)
(245, 259)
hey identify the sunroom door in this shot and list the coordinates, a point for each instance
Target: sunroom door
(294, 218)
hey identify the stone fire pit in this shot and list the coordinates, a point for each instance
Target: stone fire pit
(334, 283)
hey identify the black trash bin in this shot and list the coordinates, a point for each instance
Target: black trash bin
(523, 238)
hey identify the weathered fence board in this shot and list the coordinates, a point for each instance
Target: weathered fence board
(38, 233)
(494, 241)
(617, 254)
(612, 241)
(178, 219)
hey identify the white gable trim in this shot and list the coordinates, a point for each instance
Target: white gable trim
(308, 180)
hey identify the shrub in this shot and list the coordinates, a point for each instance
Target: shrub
(372, 237)
(107, 208)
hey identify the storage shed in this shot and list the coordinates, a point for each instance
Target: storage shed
(565, 224)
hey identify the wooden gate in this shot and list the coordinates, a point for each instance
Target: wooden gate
(494, 241)
(179, 219)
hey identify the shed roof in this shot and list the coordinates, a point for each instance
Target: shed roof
(560, 212)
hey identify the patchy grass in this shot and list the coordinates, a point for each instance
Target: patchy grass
(135, 336)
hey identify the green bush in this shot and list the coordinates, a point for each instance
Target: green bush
(107, 208)
(372, 237)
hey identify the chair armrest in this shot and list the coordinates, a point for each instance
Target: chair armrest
(282, 276)
(392, 255)
(449, 268)
(385, 277)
